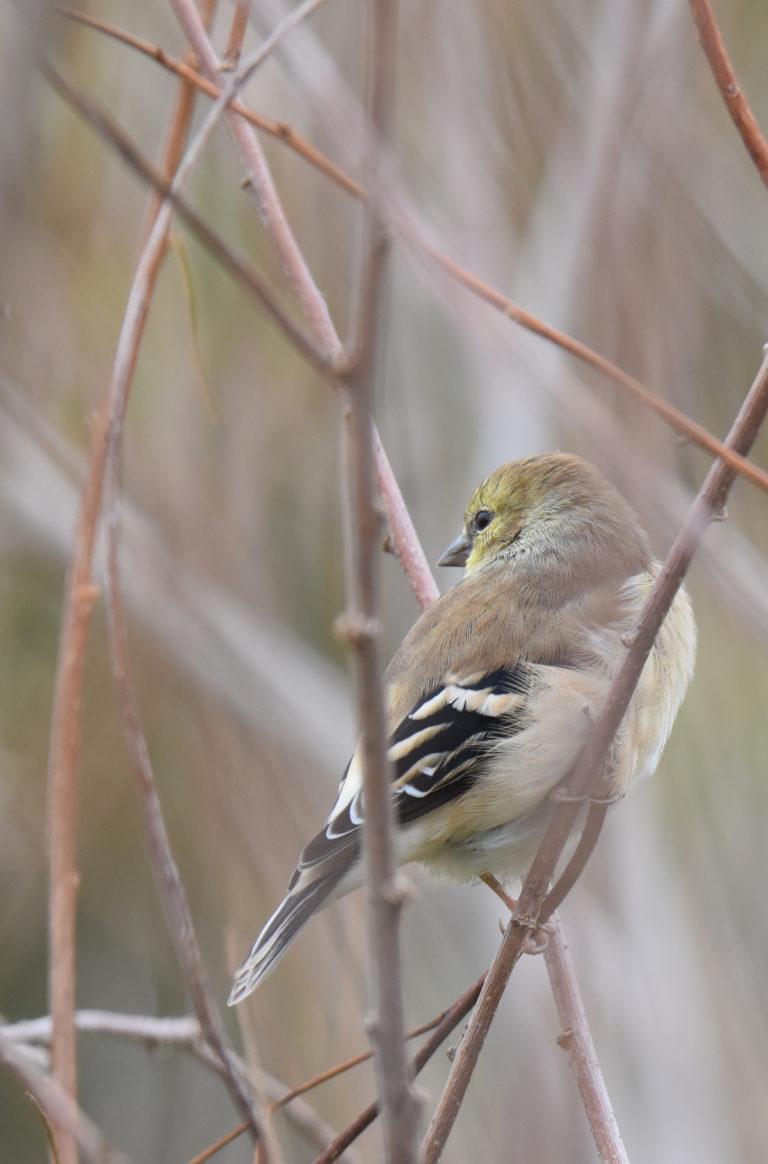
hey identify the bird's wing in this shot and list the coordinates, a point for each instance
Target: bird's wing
(436, 751)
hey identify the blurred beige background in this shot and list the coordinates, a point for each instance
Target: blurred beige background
(575, 155)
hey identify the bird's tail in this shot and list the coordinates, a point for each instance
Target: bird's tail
(304, 898)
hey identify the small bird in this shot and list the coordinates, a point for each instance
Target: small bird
(493, 692)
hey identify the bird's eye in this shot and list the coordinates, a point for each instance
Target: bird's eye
(483, 519)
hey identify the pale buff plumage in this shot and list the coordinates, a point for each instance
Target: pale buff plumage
(492, 693)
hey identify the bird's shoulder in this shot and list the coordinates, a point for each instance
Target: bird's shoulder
(496, 620)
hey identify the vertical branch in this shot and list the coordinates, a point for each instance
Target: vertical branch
(63, 770)
(576, 1041)
(384, 896)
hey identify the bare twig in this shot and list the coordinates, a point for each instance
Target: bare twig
(576, 1037)
(588, 771)
(58, 1108)
(237, 32)
(448, 1022)
(297, 273)
(728, 84)
(277, 129)
(576, 1040)
(399, 1107)
(405, 540)
(63, 765)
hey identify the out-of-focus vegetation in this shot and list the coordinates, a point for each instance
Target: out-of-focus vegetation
(576, 156)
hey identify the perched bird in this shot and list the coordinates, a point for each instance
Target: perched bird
(492, 693)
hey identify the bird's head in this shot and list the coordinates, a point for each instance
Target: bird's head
(552, 504)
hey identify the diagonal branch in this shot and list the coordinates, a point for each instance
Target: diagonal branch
(727, 82)
(261, 186)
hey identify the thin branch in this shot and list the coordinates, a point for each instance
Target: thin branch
(311, 302)
(696, 433)
(404, 539)
(63, 767)
(576, 1037)
(58, 1107)
(448, 1022)
(588, 771)
(576, 1040)
(185, 1033)
(277, 129)
(728, 84)
(237, 32)
(384, 895)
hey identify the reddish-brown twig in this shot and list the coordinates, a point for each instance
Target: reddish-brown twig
(728, 84)
(399, 1106)
(576, 1041)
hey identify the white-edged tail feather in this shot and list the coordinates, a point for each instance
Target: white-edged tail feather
(273, 941)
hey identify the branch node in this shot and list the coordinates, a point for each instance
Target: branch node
(537, 942)
(566, 1040)
(86, 597)
(355, 628)
(398, 889)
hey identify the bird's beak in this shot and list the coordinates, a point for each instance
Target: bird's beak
(457, 552)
